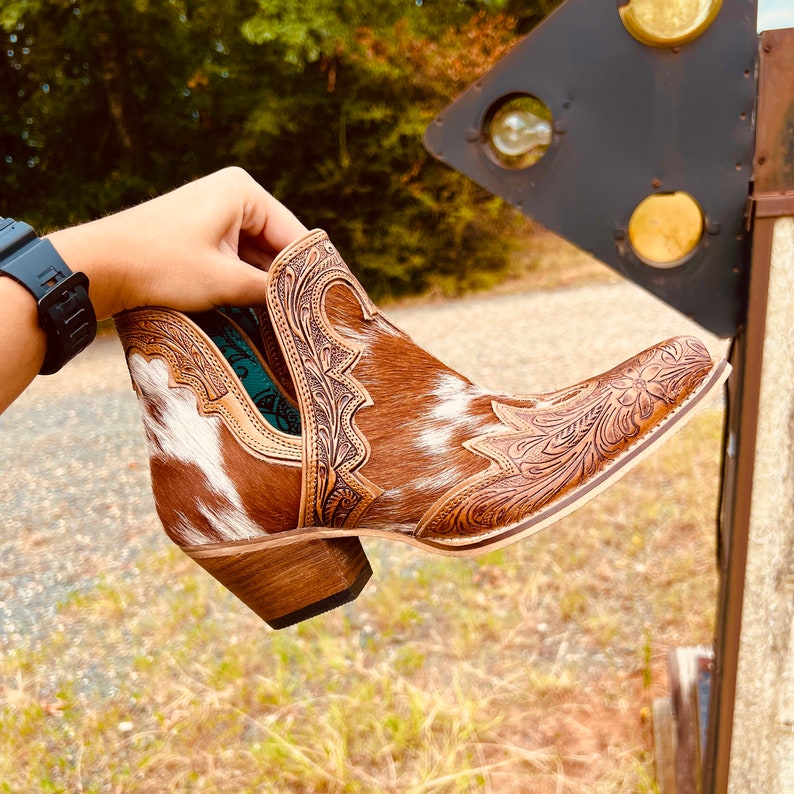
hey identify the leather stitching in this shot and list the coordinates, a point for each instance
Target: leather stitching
(215, 388)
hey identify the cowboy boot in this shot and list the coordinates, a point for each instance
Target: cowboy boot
(278, 438)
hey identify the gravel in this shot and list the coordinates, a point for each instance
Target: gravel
(74, 480)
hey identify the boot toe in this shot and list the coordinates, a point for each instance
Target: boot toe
(550, 458)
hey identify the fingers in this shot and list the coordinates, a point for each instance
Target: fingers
(239, 284)
(281, 226)
(266, 223)
(254, 253)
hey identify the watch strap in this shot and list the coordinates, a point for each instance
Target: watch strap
(64, 308)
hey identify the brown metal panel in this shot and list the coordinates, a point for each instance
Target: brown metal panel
(774, 151)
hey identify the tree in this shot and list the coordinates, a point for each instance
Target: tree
(109, 101)
(100, 109)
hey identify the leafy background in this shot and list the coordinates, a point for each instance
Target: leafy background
(108, 102)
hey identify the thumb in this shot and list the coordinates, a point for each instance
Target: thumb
(236, 283)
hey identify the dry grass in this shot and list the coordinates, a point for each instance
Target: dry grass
(531, 669)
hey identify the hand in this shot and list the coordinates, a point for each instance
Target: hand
(191, 249)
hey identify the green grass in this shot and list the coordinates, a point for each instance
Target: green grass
(532, 668)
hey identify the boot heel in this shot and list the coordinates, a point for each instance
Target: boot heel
(286, 584)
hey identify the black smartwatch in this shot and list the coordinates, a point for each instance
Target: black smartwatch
(65, 311)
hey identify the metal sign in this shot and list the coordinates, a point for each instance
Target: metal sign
(636, 147)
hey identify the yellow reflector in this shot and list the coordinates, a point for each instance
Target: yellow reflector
(666, 228)
(666, 23)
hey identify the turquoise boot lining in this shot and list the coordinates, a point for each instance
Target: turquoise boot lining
(275, 408)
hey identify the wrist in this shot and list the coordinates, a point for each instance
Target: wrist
(64, 310)
(23, 342)
(85, 248)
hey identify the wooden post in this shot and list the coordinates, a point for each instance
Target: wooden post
(751, 729)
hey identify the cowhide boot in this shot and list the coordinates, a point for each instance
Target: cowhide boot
(277, 438)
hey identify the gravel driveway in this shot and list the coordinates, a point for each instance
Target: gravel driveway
(73, 470)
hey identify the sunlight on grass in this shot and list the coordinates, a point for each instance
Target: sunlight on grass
(530, 669)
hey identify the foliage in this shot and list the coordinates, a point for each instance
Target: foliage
(107, 102)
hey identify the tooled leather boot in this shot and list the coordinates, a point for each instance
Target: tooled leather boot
(278, 438)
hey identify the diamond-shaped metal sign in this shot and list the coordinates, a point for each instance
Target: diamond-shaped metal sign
(628, 121)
